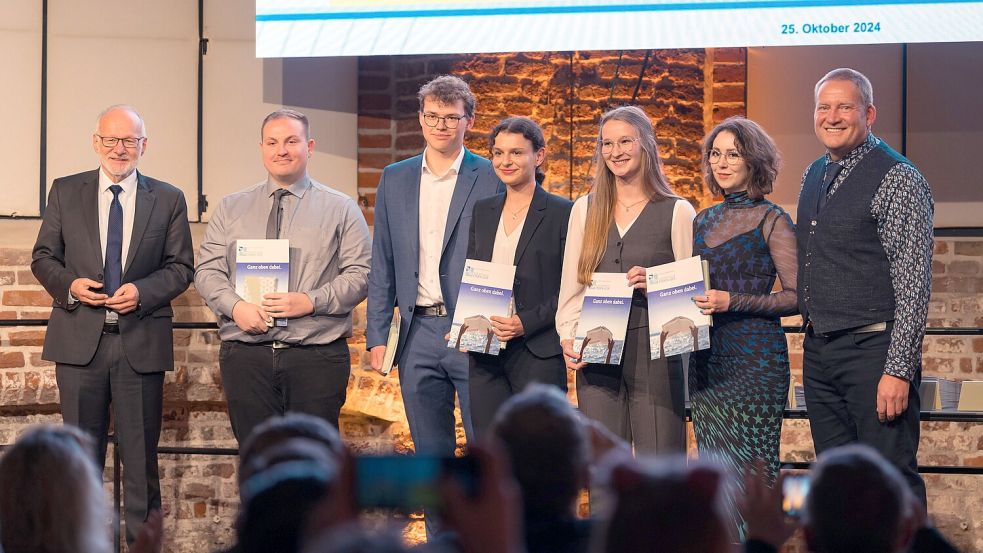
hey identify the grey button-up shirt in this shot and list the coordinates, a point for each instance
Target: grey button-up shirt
(329, 258)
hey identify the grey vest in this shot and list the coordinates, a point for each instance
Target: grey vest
(648, 242)
(844, 275)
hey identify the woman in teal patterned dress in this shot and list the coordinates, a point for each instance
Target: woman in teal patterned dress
(738, 388)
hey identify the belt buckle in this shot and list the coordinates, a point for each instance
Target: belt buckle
(277, 344)
(440, 310)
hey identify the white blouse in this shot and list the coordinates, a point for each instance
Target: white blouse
(572, 292)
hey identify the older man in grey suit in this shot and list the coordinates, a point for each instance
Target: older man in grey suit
(114, 249)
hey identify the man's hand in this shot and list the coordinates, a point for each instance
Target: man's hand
(570, 357)
(636, 278)
(507, 328)
(376, 355)
(81, 289)
(892, 397)
(250, 318)
(125, 300)
(715, 301)
(288, 305)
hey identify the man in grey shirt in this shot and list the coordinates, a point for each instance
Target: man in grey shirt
(304, 366)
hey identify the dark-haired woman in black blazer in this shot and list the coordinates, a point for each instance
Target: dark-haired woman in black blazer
(526, 226)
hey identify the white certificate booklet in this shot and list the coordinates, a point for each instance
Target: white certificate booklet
(600, 335)
(262, 267)
(675, 322)
(486, 291)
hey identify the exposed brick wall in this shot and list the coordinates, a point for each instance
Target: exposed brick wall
(684, 91)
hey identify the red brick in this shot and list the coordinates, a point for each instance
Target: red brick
(26, 277)
(728, 93)
(369, 217)
(8, 315)
(374, 102)
(974, 248)
(376, 161)
(731, 55)
(368, 179)
(7, 278)
(366, 199)
(370, 122)
(729, 73)
(941, 247)
(375, 140)
(723, 112)
(34, 298)
(938, 268)
(14, 257)
(12, 359)
(963, 267)
(27, 338)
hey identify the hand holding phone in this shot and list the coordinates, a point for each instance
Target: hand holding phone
(795, 489)
(410, 482)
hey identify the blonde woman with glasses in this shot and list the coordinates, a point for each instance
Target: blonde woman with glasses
(629, 221)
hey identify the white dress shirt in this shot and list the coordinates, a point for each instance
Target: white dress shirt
(128, 199)
(506, 244)
(572, 291)
(435, 202)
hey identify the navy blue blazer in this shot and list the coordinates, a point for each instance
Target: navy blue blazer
(538, 262)
(395, 275)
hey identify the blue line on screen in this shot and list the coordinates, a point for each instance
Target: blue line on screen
(543, 10)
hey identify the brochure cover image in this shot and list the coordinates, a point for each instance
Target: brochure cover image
(486, 291)
(600, 335)
(675, 322)
(262, 267)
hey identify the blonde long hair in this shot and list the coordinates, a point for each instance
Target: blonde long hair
(600, 211)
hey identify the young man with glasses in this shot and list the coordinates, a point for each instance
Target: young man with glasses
(114, 249)
(422, 219)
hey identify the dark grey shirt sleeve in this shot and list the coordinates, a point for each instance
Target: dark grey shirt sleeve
(904, 210)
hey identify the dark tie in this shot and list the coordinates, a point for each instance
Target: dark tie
(114, 243)
(830, 172)
(276, 216)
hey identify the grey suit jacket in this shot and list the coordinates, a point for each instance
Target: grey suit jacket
(394, 278)
(160, 263)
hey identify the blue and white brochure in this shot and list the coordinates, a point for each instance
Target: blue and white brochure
(486, 291)
(675, 322)
(262, 267)
(600, 335)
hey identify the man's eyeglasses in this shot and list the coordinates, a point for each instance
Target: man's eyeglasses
(450, 121)
(732, 158)
(626, 144)
(112, 141)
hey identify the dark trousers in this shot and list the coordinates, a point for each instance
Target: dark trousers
(87, 391)
(641, 400)
(493, 379)
(429, 375)
(840, 375)
(261, 382)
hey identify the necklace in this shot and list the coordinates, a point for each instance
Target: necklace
(627, 207)
(515, 214)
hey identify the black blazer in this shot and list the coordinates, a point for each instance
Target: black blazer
(159, 262)
(538, 262)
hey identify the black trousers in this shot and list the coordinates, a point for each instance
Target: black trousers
(261, 381)
(87, 391)
(493, 379)
(840, 376)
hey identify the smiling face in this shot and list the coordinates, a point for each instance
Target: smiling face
(729, 172)
(119, 161)
(620, 149)
(441, 137)
(514, 159)
(842, 121)
(286, 150)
